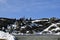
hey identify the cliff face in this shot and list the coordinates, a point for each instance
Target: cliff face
(30, 26)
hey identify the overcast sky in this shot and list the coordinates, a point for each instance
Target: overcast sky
(29, 8)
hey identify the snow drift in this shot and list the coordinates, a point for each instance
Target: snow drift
(6, 36)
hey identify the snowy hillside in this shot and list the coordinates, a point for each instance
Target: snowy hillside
(30, 26)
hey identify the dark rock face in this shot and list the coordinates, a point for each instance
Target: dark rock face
(29, 26)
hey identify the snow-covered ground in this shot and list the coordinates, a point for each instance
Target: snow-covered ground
(38, 20)
(50, 31)
(6, 36)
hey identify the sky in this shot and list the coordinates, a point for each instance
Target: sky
(30, 8)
